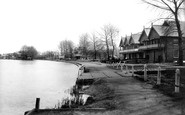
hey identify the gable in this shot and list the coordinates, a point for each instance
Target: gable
(153, 34)
(121, 43)
(126, 41)
(136, 37)
(143, 37)
(131, 40)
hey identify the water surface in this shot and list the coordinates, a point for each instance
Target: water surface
(21, 82)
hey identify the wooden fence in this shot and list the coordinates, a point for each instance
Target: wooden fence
(145, 68)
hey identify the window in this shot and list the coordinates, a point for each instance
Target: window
(175, 50)
(175, 41)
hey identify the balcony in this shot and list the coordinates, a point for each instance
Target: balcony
(151, 46)
(129, 51)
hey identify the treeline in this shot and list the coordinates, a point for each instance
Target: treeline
(97, 45)
(30, 53)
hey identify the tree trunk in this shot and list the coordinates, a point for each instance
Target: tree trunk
(108, 56)
(94, 51)
(112, 46)
(180, 59)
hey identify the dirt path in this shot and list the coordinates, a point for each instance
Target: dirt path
(134, 97)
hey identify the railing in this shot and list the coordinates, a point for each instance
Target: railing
(129, 50)
(151, 46)
(145, 68)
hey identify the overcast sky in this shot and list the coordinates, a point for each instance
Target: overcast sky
(44, 23)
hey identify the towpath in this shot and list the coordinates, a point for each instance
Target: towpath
(133, 97)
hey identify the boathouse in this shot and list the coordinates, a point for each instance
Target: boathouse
(153, 45)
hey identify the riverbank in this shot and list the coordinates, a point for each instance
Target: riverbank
(121, 94)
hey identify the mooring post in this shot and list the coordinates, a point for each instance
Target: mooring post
(132, 70)
(177, 80)
(159, 76)
(37, 104)
(145, 73)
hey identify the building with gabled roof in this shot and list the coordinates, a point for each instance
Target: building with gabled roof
(144, 35)
(121, 44)
(130, 49)
(156, 44)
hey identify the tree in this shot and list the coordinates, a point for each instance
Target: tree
(105, 39)
(49, 55)
(66, 48)
(28, 52)
(94, 41)
(113, 33)
(174, 7)
(84, 44)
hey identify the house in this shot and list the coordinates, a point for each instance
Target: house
(129, 47)
(156, 44)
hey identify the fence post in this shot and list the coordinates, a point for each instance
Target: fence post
(145, 73)
(159, 76)
(177, 80)
(37, 104)
(83, 69)
(126, 68)
(121, 67)
(132, 70)
(117, 65)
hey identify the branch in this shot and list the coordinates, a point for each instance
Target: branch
(161, 7)
(168, 6)
(180, 4)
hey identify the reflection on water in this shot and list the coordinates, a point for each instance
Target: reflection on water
(22, 81)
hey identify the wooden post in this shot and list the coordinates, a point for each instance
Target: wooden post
(126, 68)
(113, 64)
(83, 69)
(177, 80)
(145, 73)
(159, 76)
(121, 67)
(117, 65)
(37, 104)
(132, 70)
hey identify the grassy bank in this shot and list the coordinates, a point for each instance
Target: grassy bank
(102, 93)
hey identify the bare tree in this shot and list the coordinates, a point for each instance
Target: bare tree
(173, 7)
(105, 39)
(113, 33)
(84, 44)
(66, 48)
(95, 44)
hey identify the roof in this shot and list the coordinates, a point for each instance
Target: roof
(169, 28)
(127, 39)
(161, 30)
(136, 37)
(183, 28)
(122, 41)
(146, 31)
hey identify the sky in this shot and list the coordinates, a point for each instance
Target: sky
(44, 23)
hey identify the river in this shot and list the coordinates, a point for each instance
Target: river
(21, 82)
